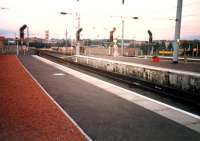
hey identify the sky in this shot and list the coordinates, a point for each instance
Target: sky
(98, 17)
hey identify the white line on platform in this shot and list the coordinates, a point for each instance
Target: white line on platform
(59, 107)
(58, 74)
(143, 66)
(188, 118)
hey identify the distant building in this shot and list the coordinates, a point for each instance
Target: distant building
(35, 39)
(46, 35)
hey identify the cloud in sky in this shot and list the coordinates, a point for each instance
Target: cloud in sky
(43, 15)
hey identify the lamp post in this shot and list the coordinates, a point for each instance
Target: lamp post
(66, 34)
(79, 29)
(65, 13)
(177, 31)
(122, 40)
(122, 36)
(78, 26)
(27, 37)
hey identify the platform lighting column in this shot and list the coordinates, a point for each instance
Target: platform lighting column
(122, 36)
(78, 27)
(177, 31)
(65, 13)
(66, 38)
(122, 41)
(27, 37)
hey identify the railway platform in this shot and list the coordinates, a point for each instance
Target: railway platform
(108, 112)
(43, 100)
